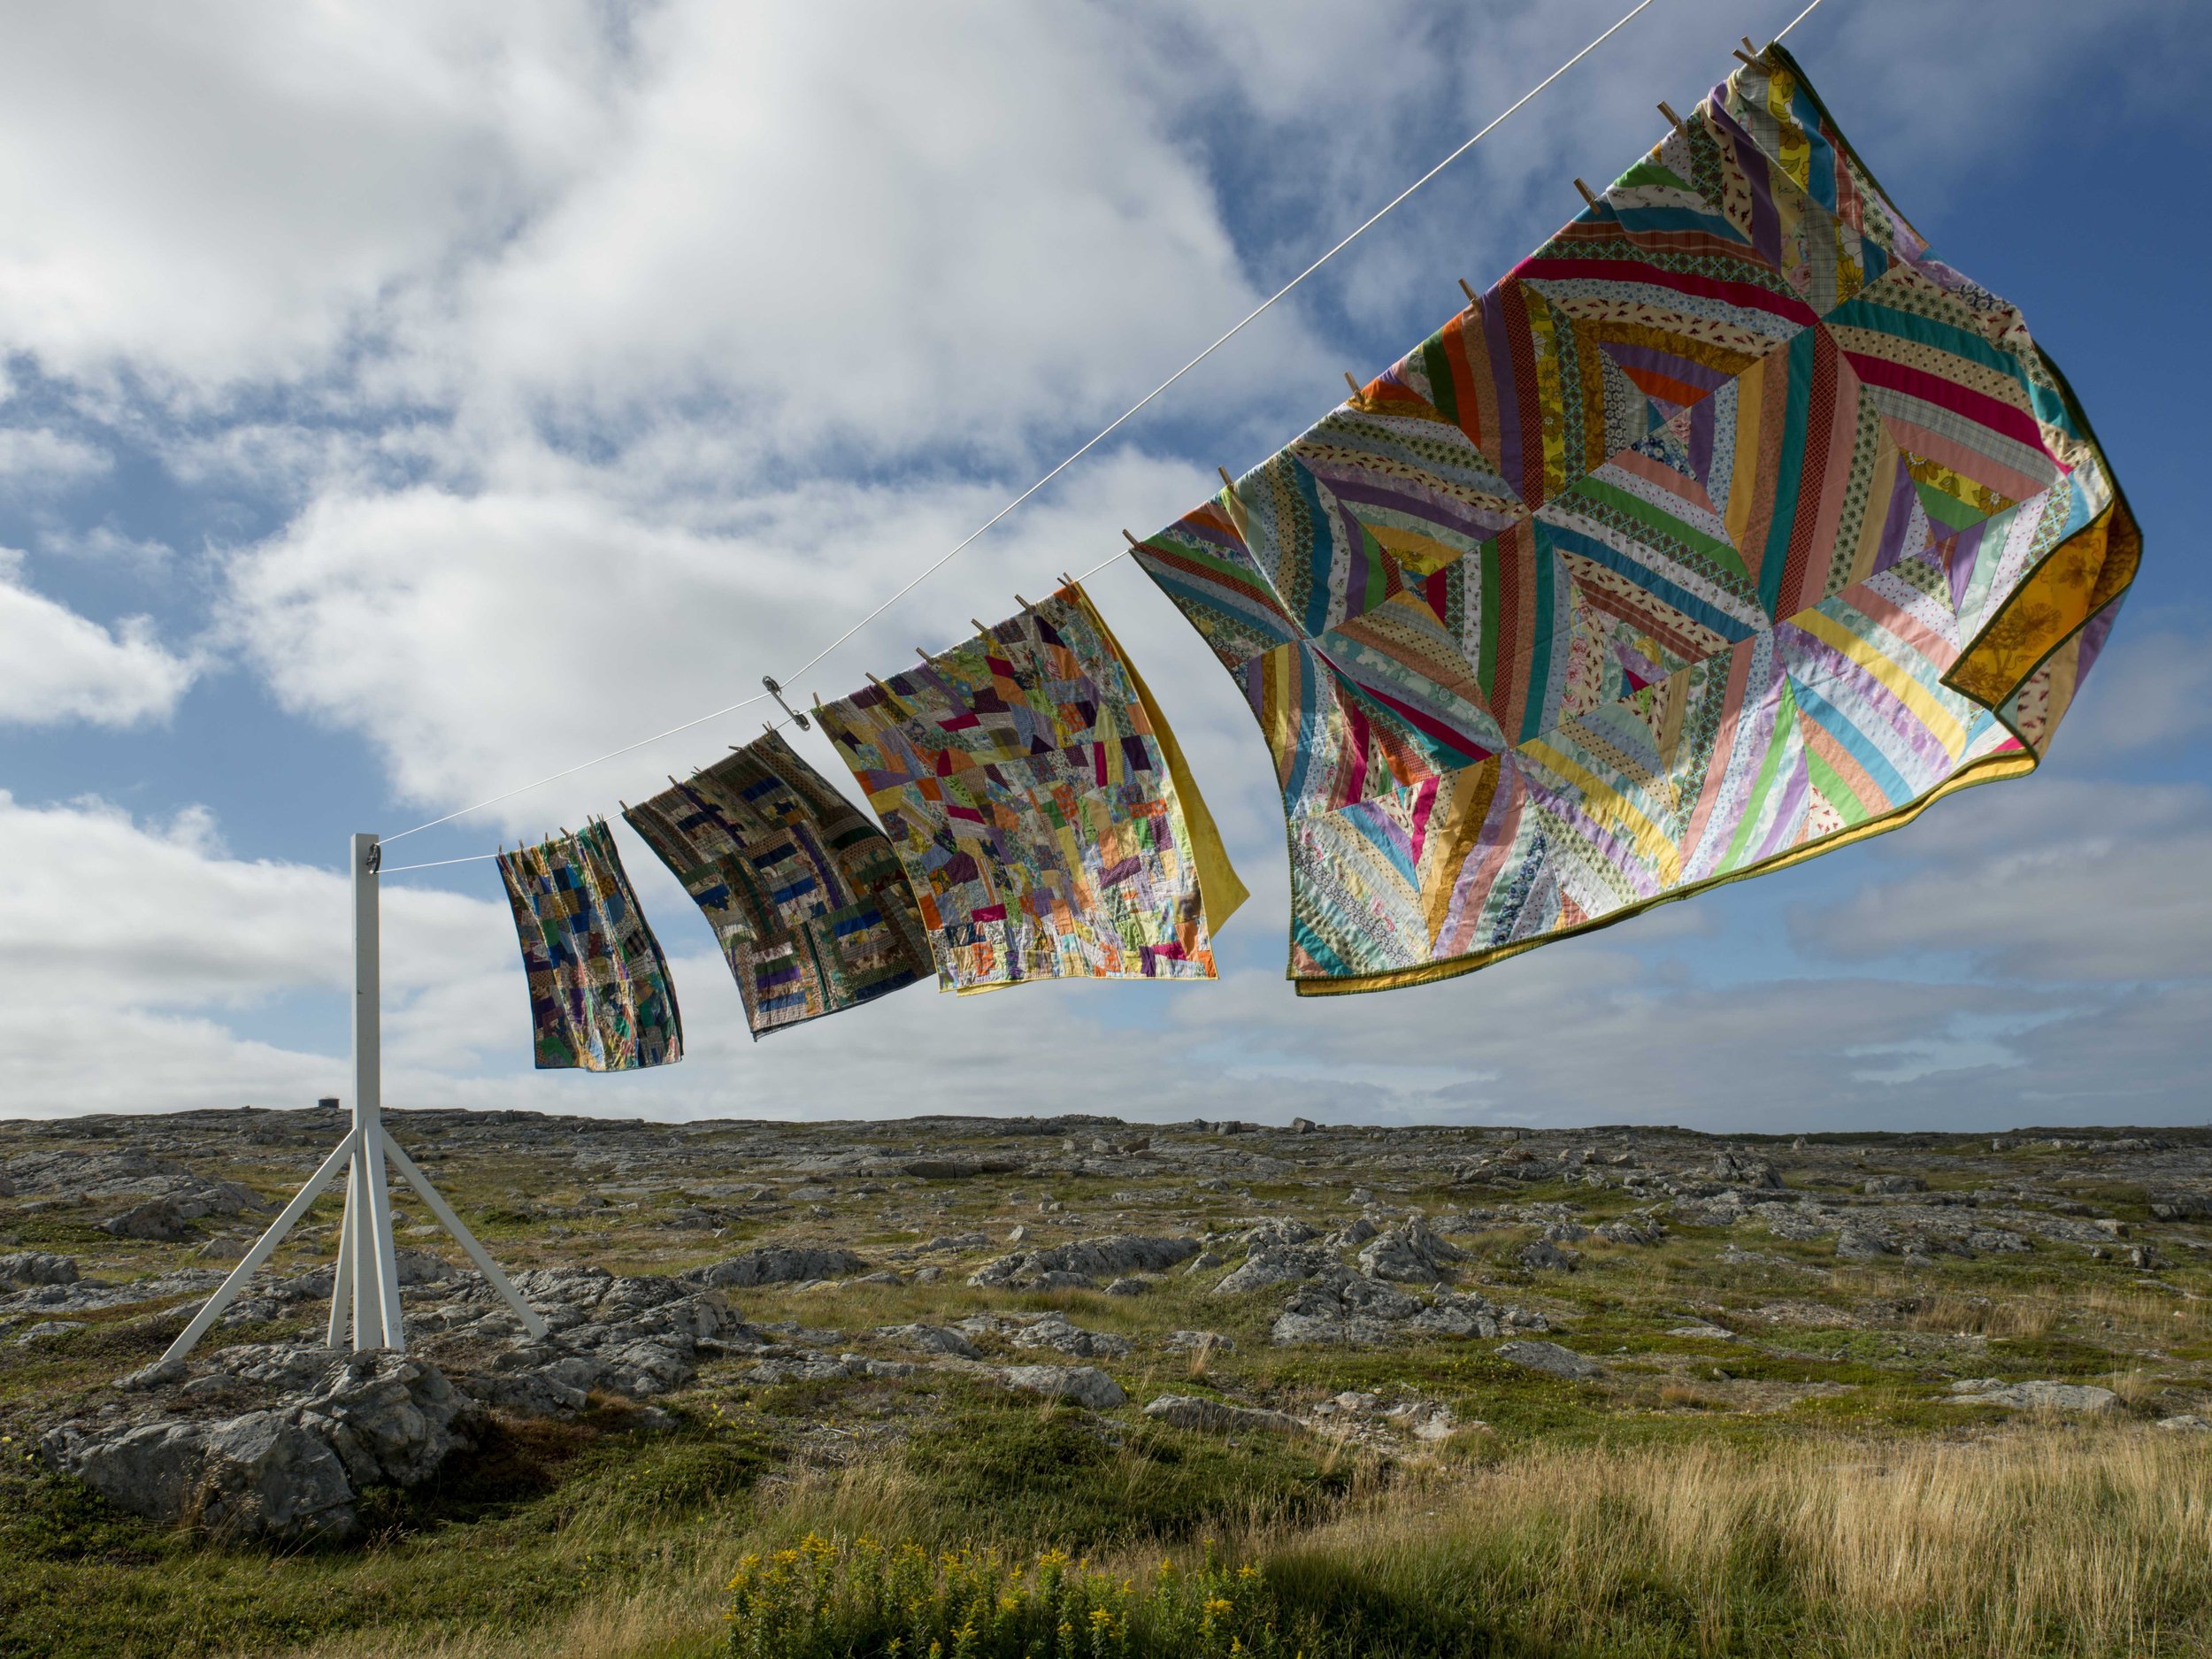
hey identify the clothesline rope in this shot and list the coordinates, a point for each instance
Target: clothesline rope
(1799, 18)
(1092, 442)
(434, 863)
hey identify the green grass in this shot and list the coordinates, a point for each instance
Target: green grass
(1815, 1496)
(1838, 1550)
(541, 1519)
(2050, 1356)
(828, 1599)
(999, 1468)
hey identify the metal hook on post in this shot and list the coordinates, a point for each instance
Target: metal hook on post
(776, 691)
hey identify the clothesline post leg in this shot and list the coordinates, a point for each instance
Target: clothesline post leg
(365, 1307)
(368, 1316)
(250, 1264)
(340, 1332)
(376, 1312)
(453, 1224)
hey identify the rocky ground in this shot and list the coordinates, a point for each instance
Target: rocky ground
(1407, 1293)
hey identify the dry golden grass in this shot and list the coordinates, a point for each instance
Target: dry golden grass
(2060, 1543)
(2051, 1542)
(2161, 1314)
(2135, 1386)
(2033, 1315)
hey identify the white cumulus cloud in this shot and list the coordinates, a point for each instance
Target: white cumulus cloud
(63, 666)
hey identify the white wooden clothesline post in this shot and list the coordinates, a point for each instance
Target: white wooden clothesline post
(365, 1312)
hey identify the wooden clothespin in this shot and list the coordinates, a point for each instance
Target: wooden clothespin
(1357, 391)
(1067, 580)
(1226, 479)
(920, 652)
(1023, 602)
(1748, 55)
(1470, 293)
(979, 628)
(1586, 195)
(1673, 120)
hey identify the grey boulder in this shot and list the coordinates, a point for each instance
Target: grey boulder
(1110, 1257)
(1054, 1331)
(1542, 1255)
(930, 1339)
(960, 1169)
(1341, 1306)
(2033, 1396)
(1551, 1359)
(1085, 1384)
(777, 1265)
(253, 1477)
(1276, 1265)
(390, 1418)
(1217, 1417)
(1410, 1253)
(37, 1267)
(1859, 1244)
(158, 1219)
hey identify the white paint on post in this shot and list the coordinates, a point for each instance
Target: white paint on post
(368, 1301)
(379, 1315)
(342, 1279)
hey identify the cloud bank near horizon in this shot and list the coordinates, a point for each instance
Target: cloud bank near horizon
(474, 389)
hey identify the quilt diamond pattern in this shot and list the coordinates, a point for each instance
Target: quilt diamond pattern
(1730, 525)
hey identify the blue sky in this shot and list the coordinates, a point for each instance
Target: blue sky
(403, 403)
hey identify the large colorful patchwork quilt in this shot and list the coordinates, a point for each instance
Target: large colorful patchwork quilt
(804, 893)
(1729, 527)
(1041, 807)
(600, 996)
